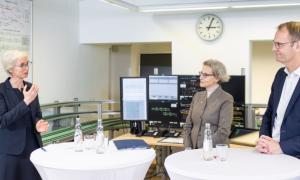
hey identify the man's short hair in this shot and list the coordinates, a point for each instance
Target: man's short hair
(293, 28)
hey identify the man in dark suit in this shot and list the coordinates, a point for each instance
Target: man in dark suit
(280, 129)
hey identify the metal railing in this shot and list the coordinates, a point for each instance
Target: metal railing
(61, 118)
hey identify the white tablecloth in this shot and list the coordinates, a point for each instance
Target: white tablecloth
(241, 164)
(61, 162)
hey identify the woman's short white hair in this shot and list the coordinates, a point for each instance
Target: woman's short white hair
(10, 57)
(218, 69)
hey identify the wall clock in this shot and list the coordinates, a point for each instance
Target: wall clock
(209, 27)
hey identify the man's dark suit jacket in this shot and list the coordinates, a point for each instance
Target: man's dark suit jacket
(12, 126)
(290, 128)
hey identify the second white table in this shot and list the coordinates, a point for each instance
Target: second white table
(241, 164)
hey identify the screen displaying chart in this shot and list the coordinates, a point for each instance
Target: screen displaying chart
(134, 98)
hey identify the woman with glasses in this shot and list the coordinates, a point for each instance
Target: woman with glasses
(20, 120)
(214, 106)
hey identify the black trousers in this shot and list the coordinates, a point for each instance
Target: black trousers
(19, 167)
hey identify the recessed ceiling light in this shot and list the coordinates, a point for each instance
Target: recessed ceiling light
(199, 6)
(266, 5)
(181, 9)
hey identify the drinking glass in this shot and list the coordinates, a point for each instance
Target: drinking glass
(89, 141)
(222, 152)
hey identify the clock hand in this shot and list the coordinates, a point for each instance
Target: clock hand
(209, 26)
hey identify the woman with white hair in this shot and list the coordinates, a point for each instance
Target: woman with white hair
(20, 120)
(214, 106)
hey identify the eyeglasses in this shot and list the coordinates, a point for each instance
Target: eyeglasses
(205, 75)
(278, 45)
(23, 65)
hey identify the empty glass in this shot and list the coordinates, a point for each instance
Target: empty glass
(101, 147)
(89, 141)
(222, 152)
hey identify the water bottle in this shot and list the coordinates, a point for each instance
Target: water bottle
(207, 143)
(100, 138)
(78, 136)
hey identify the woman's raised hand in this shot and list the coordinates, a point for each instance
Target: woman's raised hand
(31, 94)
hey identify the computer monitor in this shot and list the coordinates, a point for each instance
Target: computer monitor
(134, 98)
(163, 88)
(163, 114)
(163, 101)
(188, 87)
(236, 87)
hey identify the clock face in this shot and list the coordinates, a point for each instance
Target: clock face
(209, 27)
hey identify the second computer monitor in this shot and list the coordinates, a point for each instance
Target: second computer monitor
(163, 101)
(163, 88)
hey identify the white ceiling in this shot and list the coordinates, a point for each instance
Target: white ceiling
(157, 6)
(176, 2)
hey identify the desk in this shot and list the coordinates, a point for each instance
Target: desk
(246, 140)
(60, 162)
(152, 141)
(241, 164)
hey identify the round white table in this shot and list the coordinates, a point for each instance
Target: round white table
(61, 162)
(240, 164)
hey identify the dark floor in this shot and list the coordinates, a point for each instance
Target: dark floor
(152, 173)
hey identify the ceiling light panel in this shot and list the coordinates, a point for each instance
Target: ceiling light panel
(157, 6)
(170, 2)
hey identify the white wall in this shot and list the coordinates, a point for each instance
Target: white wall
(120, 67)
(62, 68)
(102, 23)
(264, 68)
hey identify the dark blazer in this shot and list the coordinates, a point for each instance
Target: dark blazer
(290, 128)
(216, 110)
(12, 111)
